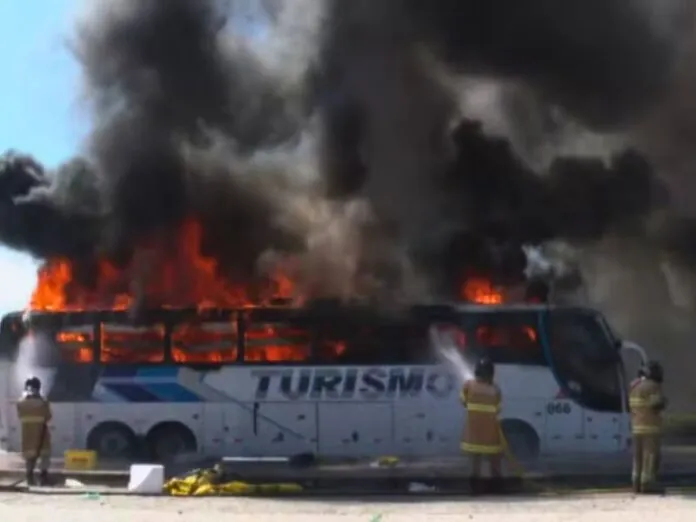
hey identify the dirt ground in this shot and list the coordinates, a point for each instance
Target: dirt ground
(604, 508)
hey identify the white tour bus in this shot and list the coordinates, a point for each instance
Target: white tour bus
(328, 380)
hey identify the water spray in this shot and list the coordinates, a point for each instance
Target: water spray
(34, 358)
(443, 343)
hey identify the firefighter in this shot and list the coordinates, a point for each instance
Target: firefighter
(482, 438)
(646, 403)
(34, 413)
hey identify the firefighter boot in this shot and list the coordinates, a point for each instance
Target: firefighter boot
(637, 489)
(475, 486)
(29, 473)
(652, 488)
(497, 485)
(43, 478)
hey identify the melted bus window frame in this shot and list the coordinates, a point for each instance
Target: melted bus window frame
(293, 318)
(161, 360)
(14, 329)
(230, 318)
(381, 339)
(87, 345)
(521, 319)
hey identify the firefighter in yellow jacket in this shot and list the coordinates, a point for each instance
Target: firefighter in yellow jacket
(482, 438)
(34, 414)
(646, 403)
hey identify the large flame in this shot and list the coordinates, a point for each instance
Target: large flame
(183, 278)
(481, 291)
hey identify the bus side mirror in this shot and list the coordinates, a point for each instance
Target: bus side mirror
(630, 346)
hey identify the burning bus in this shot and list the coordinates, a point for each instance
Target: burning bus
(258, 372)
(333, 379)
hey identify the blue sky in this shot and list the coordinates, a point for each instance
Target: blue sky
(39, 112)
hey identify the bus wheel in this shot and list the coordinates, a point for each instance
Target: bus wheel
(112, 440)
(169, 439)
(522, 439)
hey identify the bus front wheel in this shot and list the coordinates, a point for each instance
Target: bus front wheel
(522, 439)
(112, 440)
(169, 439)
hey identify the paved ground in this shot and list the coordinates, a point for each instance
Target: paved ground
(606, 508)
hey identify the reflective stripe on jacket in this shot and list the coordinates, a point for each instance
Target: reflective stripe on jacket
(34, 413)
(644, 401)
(482, 430)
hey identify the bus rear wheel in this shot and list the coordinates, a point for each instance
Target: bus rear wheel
(168, 440)
(113, 440)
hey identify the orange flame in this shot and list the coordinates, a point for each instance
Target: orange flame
(179, 277)
(481, 291)
(186, 278)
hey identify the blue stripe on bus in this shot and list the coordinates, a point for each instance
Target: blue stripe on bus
(131, 392)
(120, 372)
(171, 392)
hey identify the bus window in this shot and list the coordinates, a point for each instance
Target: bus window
(282, 341)
(121, 344)
(453, 334)
(507, 337)
(347, 343)
(374, 342)
(11, 332)
(76, 345)
(205, 342)
(585, 358)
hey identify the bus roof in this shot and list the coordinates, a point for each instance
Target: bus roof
(155, 315)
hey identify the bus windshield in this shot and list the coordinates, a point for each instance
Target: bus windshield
(585, 357)
(573, 343)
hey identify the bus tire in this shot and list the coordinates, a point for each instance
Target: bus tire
(522, 439)
(113, 440)
(168, 439)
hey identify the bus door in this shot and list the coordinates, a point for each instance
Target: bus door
(586, 364)
(565, 425)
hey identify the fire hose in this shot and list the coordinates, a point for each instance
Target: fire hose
(515, 465)
(206, 482)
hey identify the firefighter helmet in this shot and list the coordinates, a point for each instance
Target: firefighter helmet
(484, 368)
(654, 371)
(32, 384)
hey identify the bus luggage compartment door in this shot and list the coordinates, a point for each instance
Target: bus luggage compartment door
(284, 429)
(602, 431)
(355, 429)
(427, 428)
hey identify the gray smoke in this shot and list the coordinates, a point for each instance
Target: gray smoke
(351, 143)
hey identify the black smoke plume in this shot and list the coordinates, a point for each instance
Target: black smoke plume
(182, 110)
(388, 119)
(165, 83)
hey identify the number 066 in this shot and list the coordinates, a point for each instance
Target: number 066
(558, 408)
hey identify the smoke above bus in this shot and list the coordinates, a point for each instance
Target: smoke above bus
(387, 151)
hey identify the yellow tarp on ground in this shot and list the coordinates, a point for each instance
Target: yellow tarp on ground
(206, 482)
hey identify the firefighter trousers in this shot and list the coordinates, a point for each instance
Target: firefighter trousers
(44, 462)
(494, 461)
(646, 459)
